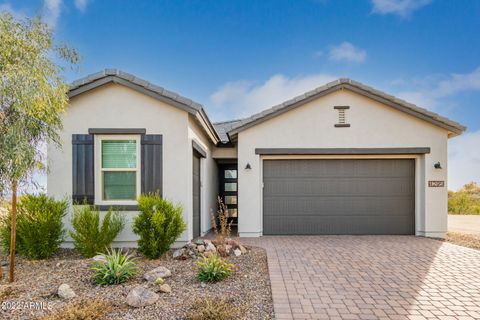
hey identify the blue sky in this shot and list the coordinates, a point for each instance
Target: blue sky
(239, 57)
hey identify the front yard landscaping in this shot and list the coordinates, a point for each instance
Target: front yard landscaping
(246, 289)
(464, 239)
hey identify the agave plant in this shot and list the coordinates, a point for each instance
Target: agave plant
(117, 268)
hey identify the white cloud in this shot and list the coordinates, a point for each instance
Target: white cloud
(51, 11)
(430, 89)
(244, 98)
(464, 160)
(402, 8)
(346, 51)
(81, 4)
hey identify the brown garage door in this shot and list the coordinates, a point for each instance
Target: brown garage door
(339, 196)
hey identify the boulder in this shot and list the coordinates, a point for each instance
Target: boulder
(154, 274)
(210, 247)
(141, 297)
(165, 288)
(222, 251)
(201, 248)
(199, 242)
(65, 292)
(242, 249)
(179, 254)
(234, 243)
(237, 252)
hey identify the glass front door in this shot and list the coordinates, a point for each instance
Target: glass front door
(229, 190)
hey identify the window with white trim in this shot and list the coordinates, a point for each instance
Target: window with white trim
(117, 169)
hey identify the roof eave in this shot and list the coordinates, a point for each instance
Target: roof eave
(453, 127)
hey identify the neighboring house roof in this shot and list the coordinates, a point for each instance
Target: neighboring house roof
(354, 86)
(225, 126)
(98, 79)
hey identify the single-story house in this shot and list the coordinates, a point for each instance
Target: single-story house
(343, 158)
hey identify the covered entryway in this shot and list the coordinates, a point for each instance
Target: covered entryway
(338, 196)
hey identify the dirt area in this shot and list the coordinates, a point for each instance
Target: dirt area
(464, 239)
(38, 281)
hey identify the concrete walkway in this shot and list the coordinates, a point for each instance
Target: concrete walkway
(464, 223)
(371, 277)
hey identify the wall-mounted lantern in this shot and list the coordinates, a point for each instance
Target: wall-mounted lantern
(248, 167)
(437, 165)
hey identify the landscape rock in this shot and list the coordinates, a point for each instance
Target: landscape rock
(201, 248)
(141, 297)
(165, 288)
(65, 292)
(210, 248)
(242, 249)
(199, 242)
(179, 254)
(100, 258)
(159, 272)
(237, 252)
(222, 251)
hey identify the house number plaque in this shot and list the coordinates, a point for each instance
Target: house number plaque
(436, 184)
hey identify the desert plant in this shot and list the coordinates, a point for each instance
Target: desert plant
(465, 201)
(117, 268)
(39, 226)
(213, 309)
(81, 310)
(223, 228)
(159, 224)
(89, 236)
(212, 268)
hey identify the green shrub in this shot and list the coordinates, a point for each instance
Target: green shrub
(213, 268)
(159, 224)
(213, 309)
(89, 237)
(118, 268)
(39, 226)
(463, 202)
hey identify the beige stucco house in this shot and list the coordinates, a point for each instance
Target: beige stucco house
(343, 158)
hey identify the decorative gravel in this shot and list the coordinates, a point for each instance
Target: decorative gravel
(37, 281)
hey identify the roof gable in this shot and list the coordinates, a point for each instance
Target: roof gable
(353, 86)
(107, 76)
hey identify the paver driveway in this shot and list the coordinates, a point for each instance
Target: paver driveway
(371, 277)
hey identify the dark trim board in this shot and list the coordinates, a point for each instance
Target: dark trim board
(117, 131)
(340, 151)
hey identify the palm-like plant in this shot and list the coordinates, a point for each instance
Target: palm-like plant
(117, 268)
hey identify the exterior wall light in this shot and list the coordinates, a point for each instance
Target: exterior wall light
(248, 167)
(437, 165)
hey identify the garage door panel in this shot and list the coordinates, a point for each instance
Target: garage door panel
(339, 196)
(313, 225)
(346, 186)
(337, 205)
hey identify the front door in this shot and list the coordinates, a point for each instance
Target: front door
(229, 190)
(196, 195)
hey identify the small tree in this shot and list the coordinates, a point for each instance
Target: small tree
(33, 95)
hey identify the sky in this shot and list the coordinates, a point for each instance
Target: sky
(240, 57)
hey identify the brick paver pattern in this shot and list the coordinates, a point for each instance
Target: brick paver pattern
(371, 277)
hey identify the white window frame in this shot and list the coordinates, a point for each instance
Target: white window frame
(99, 170)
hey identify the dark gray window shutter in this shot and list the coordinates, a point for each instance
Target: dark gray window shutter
(152, 166)
(83, 168)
